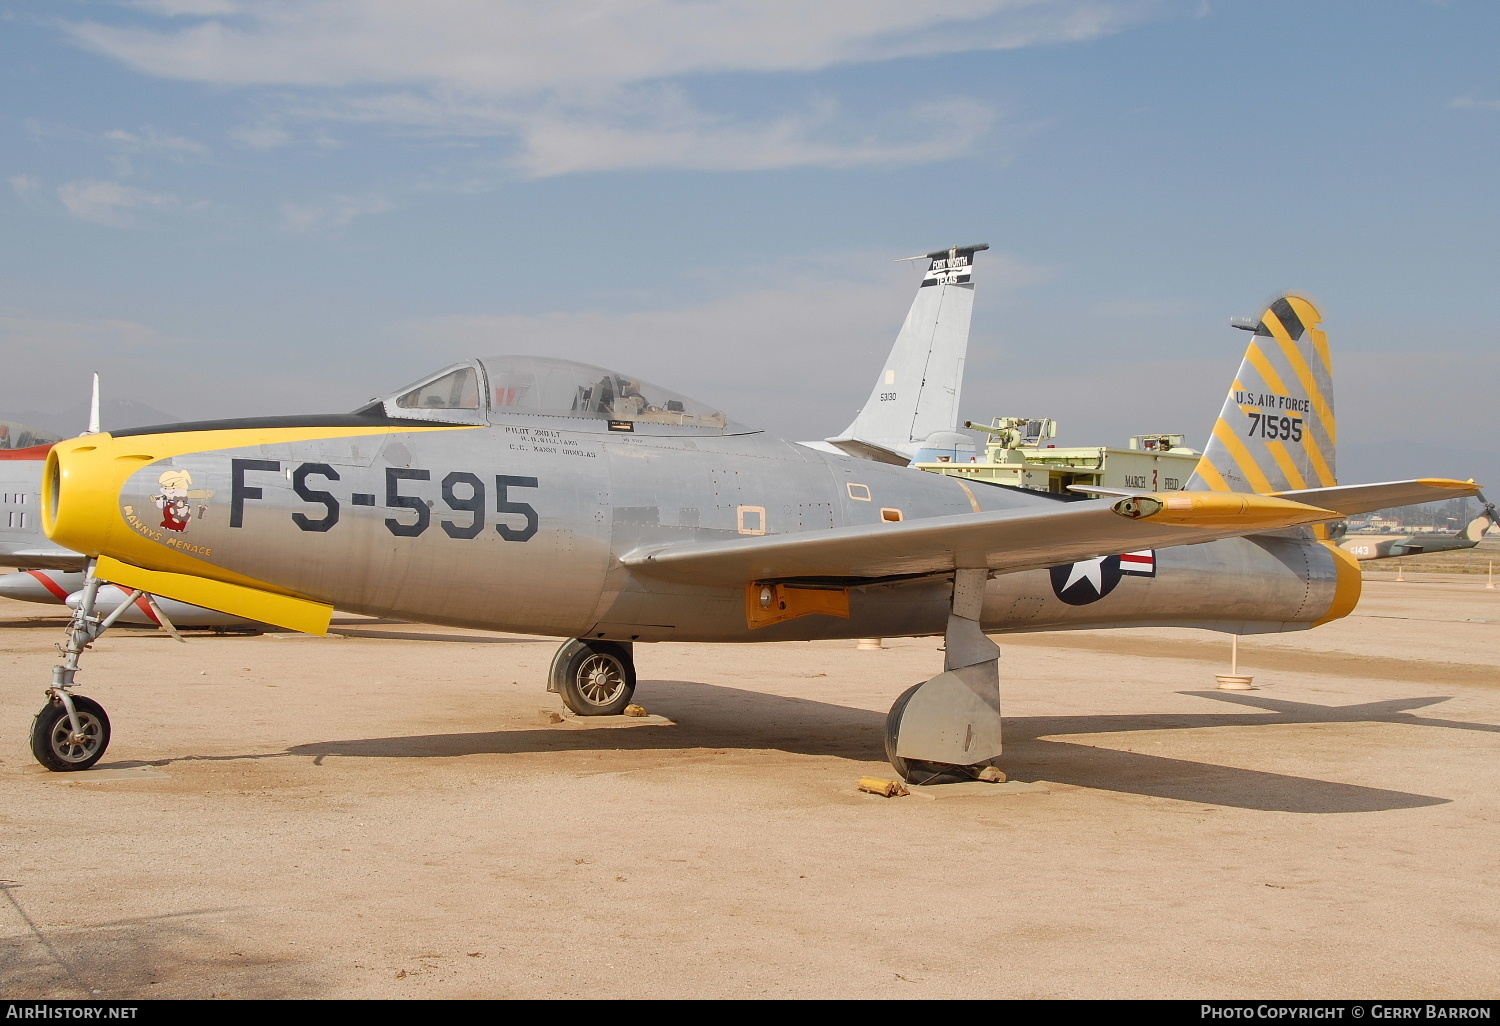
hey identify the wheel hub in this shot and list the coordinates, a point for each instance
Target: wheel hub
(76, 746)
(600, 679)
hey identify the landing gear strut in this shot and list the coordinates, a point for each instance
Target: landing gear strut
(71, 732)
(594, 678)
(947, 729)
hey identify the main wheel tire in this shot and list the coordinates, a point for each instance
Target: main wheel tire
(53, 742)
(596, 678)
(916, 771)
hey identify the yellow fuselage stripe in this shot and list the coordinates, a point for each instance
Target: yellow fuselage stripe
(1310, 319)
(1242, 457)
(1304, 374)
(1257, 358)
(1288, 467)
(1326, 478)
(973, 502)
(1211, 475)
(1320, 405)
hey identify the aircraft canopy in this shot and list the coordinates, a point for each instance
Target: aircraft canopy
(543, 387)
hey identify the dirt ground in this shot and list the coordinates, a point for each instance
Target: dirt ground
(389, 814)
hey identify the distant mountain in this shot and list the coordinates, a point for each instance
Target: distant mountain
(114, 414)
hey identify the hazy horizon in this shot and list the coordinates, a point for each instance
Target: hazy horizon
(245, 207)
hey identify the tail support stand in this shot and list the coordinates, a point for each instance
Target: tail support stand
(954, 718)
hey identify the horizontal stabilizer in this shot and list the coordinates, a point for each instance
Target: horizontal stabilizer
(1118, 493)
(289, 611)
(1367, 498)
(1004, 541)
(861, 450)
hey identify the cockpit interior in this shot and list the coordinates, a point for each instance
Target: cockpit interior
(504, 387)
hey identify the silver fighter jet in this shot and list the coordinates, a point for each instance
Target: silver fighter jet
(542, 496)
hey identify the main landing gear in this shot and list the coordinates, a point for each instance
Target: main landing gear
(940, 731)
(594, 678)
(947, 729)
(71, 732)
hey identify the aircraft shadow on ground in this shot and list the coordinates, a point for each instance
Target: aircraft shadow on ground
(35, 623)
(178, 954)
(714, 717)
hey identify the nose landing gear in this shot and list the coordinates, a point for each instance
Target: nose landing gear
(71, 732)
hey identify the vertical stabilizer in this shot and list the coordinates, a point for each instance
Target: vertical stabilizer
(917, 391)
(1277, 431)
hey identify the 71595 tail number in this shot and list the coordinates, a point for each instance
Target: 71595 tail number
(1265, 425)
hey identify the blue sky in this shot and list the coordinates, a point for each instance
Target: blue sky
(237, 206)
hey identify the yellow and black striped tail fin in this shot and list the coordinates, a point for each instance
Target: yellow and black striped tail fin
(1277, 431)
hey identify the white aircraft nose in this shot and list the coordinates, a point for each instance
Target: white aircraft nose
(49, 586)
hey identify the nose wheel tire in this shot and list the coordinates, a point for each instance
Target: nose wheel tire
(916, 771)
(595, 678)
(57, 746)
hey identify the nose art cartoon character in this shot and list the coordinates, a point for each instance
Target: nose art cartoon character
(173, 500)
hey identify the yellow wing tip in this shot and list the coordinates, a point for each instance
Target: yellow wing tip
(1213, 509)
(1448, 482)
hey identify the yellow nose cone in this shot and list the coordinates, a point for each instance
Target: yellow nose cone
(81, 488)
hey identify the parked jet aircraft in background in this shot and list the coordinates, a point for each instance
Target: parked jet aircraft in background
(1384, 546)
(65, 588)
(22, 542)
(542, 496)
(15, 436)
(912, 413)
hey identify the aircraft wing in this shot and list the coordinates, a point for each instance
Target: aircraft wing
(1367, 498)
(42, 557)
(1002, 540)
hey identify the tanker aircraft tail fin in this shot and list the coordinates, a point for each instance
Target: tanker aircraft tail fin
(1277, 431)
(912, 411)
(1476, 529)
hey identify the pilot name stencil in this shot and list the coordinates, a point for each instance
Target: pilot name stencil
(545, 440)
